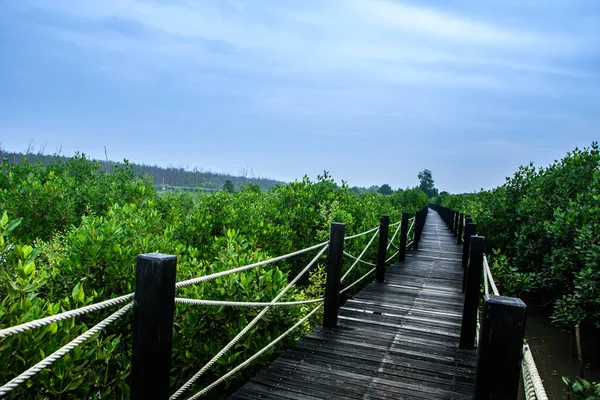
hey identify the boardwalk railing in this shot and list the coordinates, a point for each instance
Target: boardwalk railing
(493, 323)
(155, 298)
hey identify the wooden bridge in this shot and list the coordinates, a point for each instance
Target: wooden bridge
(397, 340)
(413, 333)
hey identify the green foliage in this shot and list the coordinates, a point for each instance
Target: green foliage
(545, 221)
(51, 198)
(89, 226)
(581, 389)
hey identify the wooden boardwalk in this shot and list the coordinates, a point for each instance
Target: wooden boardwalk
(395, 340)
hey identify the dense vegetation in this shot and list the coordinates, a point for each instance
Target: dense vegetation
(70, 236)
(168, 178)
(542, 233)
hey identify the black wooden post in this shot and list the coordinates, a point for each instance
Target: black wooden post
(466, 234)
(455, 228)
(472, 293)
(154, 304)
(384, 223)
(470, 230)
(461, 227)
(500, 349)
(403, 237)
(334, 271)
(416, 230)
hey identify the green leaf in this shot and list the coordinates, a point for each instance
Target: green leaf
(4, 220)
(29, 268)
(78, 294)
(13, 224)
(52, 328)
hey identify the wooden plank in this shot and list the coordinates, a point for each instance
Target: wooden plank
(394, 340)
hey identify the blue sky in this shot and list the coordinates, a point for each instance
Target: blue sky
(371, 90)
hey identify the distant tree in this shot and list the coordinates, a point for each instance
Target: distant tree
(373, 188)
(426, 183)
(385, 189)
(444, 193)
(228, 186)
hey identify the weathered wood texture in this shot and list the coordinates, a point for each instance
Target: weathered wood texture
(394, 340)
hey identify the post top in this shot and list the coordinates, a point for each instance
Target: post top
(157, 256)
(504, 300)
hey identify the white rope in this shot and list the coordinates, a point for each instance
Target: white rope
(254, 357)
(392, 256)
(247, 267)
(531, 373)
(197, 302)
(233, 341)
(396, 223)
(411, 219)
(23, 377)
(362, 261)
(486, 286)
(391, 242)
(411, 226)
(361, 234)
(409, 244)
(360, 256)
(490, 277)
(62, 316)
(357, 281)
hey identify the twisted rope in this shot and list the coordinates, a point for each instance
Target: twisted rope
(233, 341)
(486, 286)
(392, 256)
(357, 281)
(247, 267)
(488, 272)
(62, 316)
(391, 242)
(532, 383)
(197, 302)
(360, 256)
(395, 223)
(409, 244)
(23, 377)
(254, 357)
(411, 225)
(362, 261)
(361, 234)
(534, 388)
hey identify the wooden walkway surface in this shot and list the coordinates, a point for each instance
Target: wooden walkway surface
(395, 340)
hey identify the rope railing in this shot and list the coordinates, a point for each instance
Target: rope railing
(38, 323)
(357, 281)
(32, 371)
(392, 256)
(361, 234)
(217, 303)
(533, 386)
(254, 357)
(247, 328)
(358, 259)
(391, 241)
(205, 278)
(266, 306)
(488, 274)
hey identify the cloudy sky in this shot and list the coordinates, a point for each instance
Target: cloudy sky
(371, 90)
